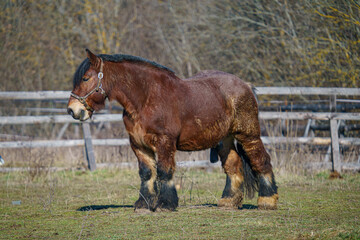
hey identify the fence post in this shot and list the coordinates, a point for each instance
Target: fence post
(90, 157)
(335, 152)
(333, 103)
(307, 128)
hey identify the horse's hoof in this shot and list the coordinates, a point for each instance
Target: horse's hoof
(233, 203)
(268, 203)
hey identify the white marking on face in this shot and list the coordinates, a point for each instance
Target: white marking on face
(79, 110)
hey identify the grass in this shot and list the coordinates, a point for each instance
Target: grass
(99, 205)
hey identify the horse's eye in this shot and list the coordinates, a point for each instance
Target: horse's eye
(85, 79)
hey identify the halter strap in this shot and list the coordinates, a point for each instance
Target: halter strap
(100, 76)
(82, 100)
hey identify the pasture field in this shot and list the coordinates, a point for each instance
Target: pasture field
(99, 205)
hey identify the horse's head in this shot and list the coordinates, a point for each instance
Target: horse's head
(88, 94)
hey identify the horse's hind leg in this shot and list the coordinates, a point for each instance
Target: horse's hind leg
(147, 171)
(234, 190)
(260, 164)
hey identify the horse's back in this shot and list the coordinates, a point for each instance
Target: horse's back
(211, 99)
(228, 84)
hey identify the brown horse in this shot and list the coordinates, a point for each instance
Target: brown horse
(163, 113)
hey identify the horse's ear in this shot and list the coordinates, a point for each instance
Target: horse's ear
(94, 60)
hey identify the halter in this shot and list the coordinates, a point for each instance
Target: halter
(82, 100)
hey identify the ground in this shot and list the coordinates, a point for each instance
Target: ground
(99, 205)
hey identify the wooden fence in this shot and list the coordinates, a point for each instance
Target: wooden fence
(88, 142)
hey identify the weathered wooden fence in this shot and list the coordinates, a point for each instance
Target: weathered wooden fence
(331, 116)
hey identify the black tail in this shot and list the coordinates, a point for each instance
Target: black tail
(251, 180)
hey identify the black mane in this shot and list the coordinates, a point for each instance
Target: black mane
(85, 65)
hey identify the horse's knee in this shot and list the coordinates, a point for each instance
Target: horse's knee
(145, 172)
(148, 177)
(165, 173)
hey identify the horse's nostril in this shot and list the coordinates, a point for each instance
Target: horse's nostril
(82, 114)
(70, 111)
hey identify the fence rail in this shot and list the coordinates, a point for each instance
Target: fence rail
(307, 115)
(118, 117)
(63, 143)
(57, 119)
(332, 117)
(321, 141)
(51, 95)
(307, 91)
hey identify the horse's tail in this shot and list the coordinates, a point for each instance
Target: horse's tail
(251, 182)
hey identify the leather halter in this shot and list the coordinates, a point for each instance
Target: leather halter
(82, 100)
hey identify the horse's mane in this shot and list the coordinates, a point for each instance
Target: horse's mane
(85, 65)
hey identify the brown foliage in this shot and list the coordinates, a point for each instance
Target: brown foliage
(281, 42)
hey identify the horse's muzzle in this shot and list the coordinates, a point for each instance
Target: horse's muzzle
(78, 112)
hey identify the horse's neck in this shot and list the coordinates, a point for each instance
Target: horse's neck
(131, 85)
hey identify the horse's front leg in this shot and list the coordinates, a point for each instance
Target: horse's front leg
(168, 198)
(148, 195)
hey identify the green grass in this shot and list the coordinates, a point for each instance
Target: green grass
(310, 207)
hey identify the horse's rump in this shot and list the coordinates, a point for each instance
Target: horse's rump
(211, 105)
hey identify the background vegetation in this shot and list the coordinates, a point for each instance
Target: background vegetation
(269, 43)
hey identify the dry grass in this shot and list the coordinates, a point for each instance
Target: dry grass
(287, 158)
(310, 207)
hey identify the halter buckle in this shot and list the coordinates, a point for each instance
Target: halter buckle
(100, 75)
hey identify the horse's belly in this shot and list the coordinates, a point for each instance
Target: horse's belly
(196, 144)
(199, 136)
